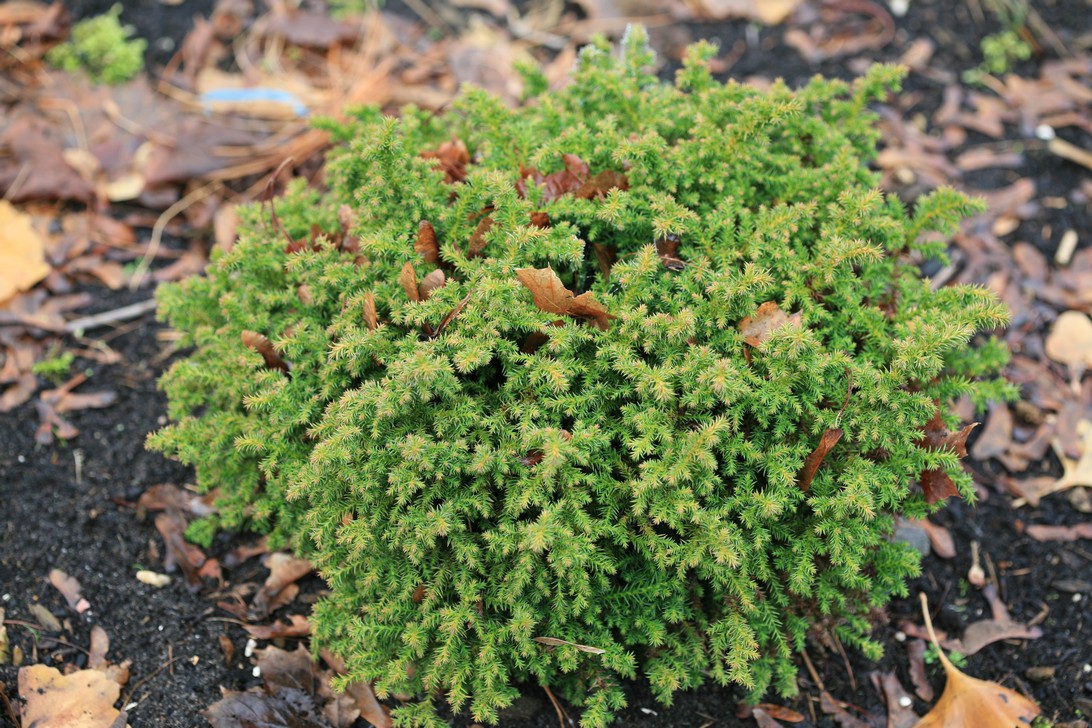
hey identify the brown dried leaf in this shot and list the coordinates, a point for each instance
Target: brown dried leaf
(915, 654)
(894, 695)
(550, 295)
(298, 626)
(766, 12)
(453, 157)
(974, 703)
(408, 281)
(370, 316)
(778, 712)
(477, 238)
(431, 282)
(426, 245)
(837, 709)
(1070, 342)
(70, 589)
(1060, 533)
(31, 144)
(768, 318)
(935, 482)
(83, 699)
(829, 439)
(940, 538)
(284, 570)
(602, 183)
(22, 252)
(764, 719)
(996, 437)
(261, 344)
(180, 552)
(999, 627)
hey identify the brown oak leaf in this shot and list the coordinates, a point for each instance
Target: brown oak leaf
(768, 318)
(453, 157)
(551, 295)
(935, 482)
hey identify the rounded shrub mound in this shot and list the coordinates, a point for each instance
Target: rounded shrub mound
(630, 381)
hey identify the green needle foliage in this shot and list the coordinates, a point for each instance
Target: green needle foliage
(553, 408)
(103, 48)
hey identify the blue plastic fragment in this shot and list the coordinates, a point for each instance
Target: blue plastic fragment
(246, 95)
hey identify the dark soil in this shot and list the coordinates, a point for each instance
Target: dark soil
(81, 518)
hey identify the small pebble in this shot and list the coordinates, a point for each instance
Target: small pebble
(151, 578)
(1044, 132)
(1040, 673)
(256, 672)
(899, 8)
(900, 636)
(905, 701)
(250, 645)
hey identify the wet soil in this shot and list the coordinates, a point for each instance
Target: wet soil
(70, 505)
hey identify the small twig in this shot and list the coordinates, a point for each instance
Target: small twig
(845, 660)
(157, 230)
(562, 716)
(133, 310)
(137, 686)
(811, 670)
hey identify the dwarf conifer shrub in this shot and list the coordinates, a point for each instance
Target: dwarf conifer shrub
(630, 381)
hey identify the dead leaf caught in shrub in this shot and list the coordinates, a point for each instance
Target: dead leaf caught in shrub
(551, 295)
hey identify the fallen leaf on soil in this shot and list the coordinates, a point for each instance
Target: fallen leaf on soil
(69, 587)
(29, 144)
(550, 295)
(829, 439)
(298, 626)
(284, 570)
(999, 627)
(767, 12)
(1070, 342)
(45, 618)
(970, 702)
(940, 538)
(837, 709)
(764, 719)
(294, 694)
(915, 654)
(180, 552)
(778, 712)
(22, 252)
(1060, 533)
(96, 657)
(894, 695)
(83, 699)
(996, 436)
(768, 318)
